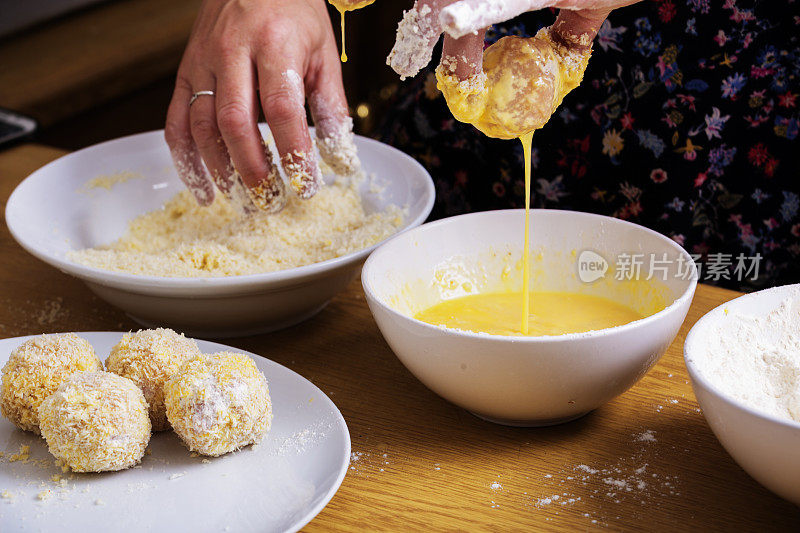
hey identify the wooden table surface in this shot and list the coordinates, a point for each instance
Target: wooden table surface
(422, 463)
(82, 60)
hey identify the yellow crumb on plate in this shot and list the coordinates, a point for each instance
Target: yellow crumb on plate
(23, 455)
(107, 181)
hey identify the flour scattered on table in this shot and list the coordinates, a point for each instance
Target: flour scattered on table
(647, 436)
(364, 463)
(626, 481)
(356, 456)
(51, 312)
(357, 460)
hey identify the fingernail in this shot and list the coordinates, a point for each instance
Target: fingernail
(303, 174)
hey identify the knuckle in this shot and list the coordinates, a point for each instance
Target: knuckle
(249, 174)
(277, 32)
(170, 135)
(204, 129)
(174, 135)
(234, 119)
(253, 167)
(280, 108)
(251, 171)
(182, 82)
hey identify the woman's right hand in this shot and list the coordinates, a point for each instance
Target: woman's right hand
(267, 54)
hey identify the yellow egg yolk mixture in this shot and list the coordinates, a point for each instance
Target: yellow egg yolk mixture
(551, 313)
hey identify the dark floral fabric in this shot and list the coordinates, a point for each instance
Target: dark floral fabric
(686, 122)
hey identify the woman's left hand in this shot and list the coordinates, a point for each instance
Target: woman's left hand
(464, 24)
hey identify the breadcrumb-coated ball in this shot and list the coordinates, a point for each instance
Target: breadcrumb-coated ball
(218, 403)
(96, 422)
(524, 80)
(148, 358)
(34, 371)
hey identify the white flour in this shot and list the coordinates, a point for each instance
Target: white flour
(756, 360)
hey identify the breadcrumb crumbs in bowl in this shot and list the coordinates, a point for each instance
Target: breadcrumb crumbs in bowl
(36, 369)
(149, 358)
(218, 403)
(96, 422)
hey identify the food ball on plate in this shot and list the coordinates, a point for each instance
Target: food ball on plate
(96, 422)
(148, 358)
(34, 371)
(218, 403)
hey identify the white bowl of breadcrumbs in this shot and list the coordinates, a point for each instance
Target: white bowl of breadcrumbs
(117, 216)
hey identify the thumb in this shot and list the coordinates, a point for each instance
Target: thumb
(577, 29)
(463, 57)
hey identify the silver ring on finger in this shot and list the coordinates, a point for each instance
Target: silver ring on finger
(198, 94)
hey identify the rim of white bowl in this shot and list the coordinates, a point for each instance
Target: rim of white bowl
(687, 294)
(124, 280)
(696, 374)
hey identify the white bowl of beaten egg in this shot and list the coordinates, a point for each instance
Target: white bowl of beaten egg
(744, 360)
(435, 290)
(92, 198)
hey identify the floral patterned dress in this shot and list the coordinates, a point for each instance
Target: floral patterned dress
(686, 122)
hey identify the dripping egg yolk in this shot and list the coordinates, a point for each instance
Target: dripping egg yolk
(344, 6)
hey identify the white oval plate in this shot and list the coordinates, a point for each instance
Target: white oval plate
(278, 485)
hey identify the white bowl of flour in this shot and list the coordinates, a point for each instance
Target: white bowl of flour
(744, 360)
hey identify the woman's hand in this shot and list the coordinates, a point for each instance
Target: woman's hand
(267, 54)
(464, 23)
